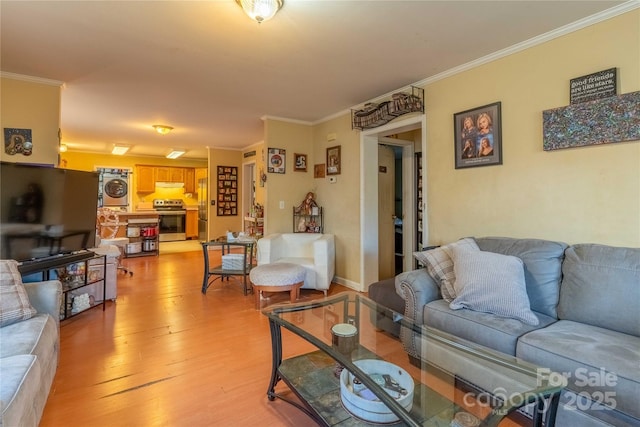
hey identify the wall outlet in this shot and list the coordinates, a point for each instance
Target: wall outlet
(281, 204)
(333, 179)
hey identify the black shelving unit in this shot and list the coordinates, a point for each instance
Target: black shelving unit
(74, 271)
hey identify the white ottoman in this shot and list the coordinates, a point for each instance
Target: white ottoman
(277, 277)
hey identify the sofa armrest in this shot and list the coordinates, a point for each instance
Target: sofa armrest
(324, 250)
(417, 288)
(269, 248)
(324, 260)
(46, 297)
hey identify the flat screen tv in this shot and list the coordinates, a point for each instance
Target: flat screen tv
(45, 211)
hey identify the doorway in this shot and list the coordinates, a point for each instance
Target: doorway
(394, 180)
(248, 188)
(369, 216)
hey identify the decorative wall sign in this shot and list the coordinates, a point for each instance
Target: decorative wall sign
(602, 84)
(299, 162)
(249, 154)
(18, 141)
(277, 160)
(478, 136)
(374, 115)
(603, 121)
(227, 190)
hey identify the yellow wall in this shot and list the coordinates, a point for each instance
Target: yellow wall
(290, 187)
(35, 106)
(341, 200)
(589, 194)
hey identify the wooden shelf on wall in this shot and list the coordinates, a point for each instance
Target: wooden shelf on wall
(374, 115)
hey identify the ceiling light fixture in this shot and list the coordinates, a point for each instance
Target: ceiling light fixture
(120, 149)
(162, 129)
(175, 153)
(63, 148)
(260, 10)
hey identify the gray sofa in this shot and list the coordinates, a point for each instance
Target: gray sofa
(586, 299)
(29, 352)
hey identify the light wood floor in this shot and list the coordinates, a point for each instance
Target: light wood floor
(165, 354)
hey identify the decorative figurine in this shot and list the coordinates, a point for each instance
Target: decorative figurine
(307, 205)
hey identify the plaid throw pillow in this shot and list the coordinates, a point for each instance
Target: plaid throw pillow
(14, 301)
(439, 263)
(491, 283)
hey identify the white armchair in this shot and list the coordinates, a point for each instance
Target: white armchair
(316, 252)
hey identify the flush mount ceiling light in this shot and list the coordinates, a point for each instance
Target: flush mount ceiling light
(175, 153)
(162, 129)
(260, 10)
(120, 149)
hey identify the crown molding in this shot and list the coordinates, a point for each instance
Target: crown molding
(284, 119)
(31, 79)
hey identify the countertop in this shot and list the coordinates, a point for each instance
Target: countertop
(149, 212)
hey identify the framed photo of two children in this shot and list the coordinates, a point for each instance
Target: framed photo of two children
(478, 136)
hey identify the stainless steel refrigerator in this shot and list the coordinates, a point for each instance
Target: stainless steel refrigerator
(203, 209)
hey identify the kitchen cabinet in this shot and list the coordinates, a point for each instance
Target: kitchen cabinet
(189, 180)
(191, 228)
(145, 179)
(201, 173)
(169, 174)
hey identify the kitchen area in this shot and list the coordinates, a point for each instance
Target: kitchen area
(155, 204)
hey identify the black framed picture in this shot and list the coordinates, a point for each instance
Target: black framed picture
(478, 136)
(334, 160)
(277, 160)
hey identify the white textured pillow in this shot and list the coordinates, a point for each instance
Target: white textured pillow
(14, 301)
(491, 283)
(439, 264)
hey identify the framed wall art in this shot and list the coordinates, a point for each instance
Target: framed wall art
(18, 141)
(333, 160)
(227, 191)
(319, 170)
(478, 136)
(276, 161)
(299, 162)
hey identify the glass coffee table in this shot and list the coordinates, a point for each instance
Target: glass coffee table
(456, 383)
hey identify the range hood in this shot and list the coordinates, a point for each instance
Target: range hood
(160, 184)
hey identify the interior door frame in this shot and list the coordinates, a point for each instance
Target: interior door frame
(409, 220)
(248, 183)
(369, 140)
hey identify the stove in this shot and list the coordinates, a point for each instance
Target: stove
(172, 219)
(168, 204)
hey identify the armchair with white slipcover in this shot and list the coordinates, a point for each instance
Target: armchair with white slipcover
(314, 251)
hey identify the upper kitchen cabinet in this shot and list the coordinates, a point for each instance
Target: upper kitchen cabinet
(189, 180)
(201, 173)
(146, 179)
(169, 174)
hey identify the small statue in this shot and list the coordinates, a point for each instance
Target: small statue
(307, 205)
(302, 225)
